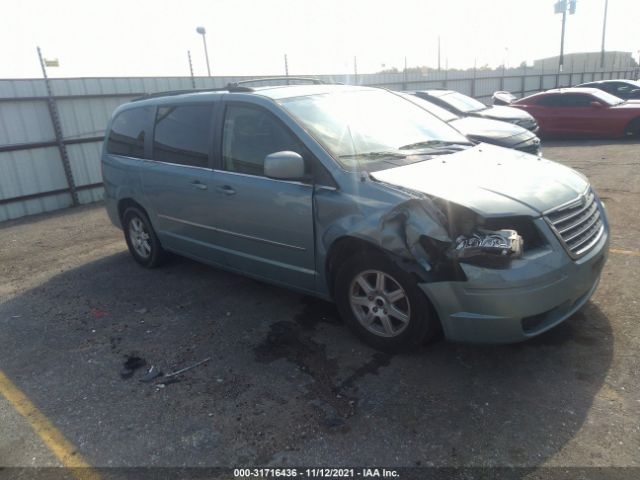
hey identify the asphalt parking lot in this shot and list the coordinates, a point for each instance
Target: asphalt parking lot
(286, 383)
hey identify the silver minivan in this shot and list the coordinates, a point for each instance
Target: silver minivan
(357, 195)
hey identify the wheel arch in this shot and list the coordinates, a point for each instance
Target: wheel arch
(344, 247)
(632, 128)
(128, 202)
(341, 249)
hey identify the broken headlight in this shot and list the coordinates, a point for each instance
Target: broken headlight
(500, 244)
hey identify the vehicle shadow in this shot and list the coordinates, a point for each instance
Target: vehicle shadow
(285, 383)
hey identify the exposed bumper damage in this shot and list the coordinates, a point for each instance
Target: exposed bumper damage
(538, 291)
(485, 286)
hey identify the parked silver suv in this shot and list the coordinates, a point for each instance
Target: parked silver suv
(359, 196)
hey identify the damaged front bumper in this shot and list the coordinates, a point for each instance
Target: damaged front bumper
(536, 292)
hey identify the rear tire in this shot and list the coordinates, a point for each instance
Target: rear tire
(383, 304)
(141, 238)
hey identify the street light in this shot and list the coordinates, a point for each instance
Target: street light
(561, 7)
(203, 32)
(604, 30)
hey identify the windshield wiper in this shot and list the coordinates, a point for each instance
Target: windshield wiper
(374, 155)
(436, 145)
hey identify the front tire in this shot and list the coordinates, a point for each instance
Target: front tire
(383, 304)
(143, 243)
(633, 128)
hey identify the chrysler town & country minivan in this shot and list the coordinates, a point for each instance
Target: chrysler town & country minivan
(358, 196)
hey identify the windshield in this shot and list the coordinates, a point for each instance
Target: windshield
(441, 113)
(367, 126)
(462, 102)
(607, 98)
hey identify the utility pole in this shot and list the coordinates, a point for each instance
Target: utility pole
(604, 29)
(193, 80)
(57, 128)
(438, 52)
(355, 69)
(286, 66)
(404, 74)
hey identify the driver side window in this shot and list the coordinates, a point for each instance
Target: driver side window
(249, 135)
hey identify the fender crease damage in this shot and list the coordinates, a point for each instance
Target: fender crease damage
(423, 240)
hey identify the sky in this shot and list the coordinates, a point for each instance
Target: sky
(250, 37)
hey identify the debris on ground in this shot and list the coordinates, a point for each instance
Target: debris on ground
(151, 374)
(131, 364)
(186, 369)
(168, 381)
(141, 311)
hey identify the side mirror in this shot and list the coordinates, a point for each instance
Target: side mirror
(284, 166)
(503, 98)
(595, 104)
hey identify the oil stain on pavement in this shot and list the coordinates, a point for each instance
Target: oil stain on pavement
(293, 341)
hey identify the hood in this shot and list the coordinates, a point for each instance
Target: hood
(492, 181)
(498, 112)
(491, 129)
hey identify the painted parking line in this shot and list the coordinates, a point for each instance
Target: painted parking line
(55, 441)
(633, 253)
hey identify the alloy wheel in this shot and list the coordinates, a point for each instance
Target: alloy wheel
(380, 303)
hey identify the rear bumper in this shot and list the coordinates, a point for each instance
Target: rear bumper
(512, 305)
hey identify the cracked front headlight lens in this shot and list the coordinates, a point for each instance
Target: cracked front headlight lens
(500, 243)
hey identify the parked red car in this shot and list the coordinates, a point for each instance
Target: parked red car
(572, 112)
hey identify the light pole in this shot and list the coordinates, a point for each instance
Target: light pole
(604, 31)
(561, 7)
(203, 32)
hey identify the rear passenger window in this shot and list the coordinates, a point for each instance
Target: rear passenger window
(182, 134)
(576, 100)
(127, 132)
(250, 134)
(550, 101)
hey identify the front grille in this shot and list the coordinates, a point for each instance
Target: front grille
(578, 225)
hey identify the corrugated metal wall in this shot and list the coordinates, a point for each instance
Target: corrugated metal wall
(32, 175)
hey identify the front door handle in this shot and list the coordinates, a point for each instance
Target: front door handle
(199, 185)
(226, 189)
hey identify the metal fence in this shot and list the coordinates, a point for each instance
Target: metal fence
(51, 131)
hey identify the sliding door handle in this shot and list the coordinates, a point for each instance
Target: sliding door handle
(226, 189)
(198, 184)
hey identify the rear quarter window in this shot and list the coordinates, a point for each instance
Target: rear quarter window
(128, 131)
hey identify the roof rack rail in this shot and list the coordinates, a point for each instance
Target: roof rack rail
(229, 88)
(287, 80)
